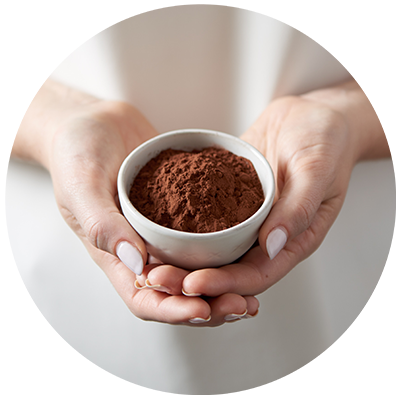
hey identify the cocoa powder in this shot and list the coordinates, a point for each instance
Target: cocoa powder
(198, 191)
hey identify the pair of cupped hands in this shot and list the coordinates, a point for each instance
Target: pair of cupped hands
(311, 153)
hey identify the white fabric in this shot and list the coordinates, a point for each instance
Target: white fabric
(215, 68)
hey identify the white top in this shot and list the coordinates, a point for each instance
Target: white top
(215, 68)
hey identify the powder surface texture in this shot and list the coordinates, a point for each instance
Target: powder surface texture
(199, 191)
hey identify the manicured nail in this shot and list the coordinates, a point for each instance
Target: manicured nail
(199, 320)
(131, 257)
(247, 316)
(191, 294)
(160, 288)
(276, 240)
(137, 286)
(232, 317)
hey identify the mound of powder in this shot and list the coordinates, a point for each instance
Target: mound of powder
(198, 191)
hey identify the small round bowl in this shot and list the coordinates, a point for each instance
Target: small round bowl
(195, 250)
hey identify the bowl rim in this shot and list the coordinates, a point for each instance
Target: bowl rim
(123, 195)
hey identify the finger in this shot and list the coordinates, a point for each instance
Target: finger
(256, 272)
(248, 277)
(153, 260)
(253, 306)
(193, 311)
(228, 307)
(101, 223)
(140, 282)
(253, 275)
(231, 307)
(295, 209)
(151, 305)
(166, 278)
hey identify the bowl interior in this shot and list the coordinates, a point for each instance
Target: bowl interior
(189, 140)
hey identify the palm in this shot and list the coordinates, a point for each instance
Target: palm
(86, 155)
(306, 145)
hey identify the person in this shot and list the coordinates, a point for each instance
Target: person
(314, 124)
(312, 141)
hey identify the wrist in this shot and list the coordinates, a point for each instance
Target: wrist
(53, 105)
(370, 117)
(365, 131)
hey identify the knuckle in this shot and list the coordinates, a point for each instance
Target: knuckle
(305, 210)
(94, 230)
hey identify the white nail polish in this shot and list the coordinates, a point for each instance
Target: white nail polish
(160, 288)
(190, 294)
(131, 257)
(199, 320)
(232, 317)
(247, 316)
(137, 286)
(276, 240)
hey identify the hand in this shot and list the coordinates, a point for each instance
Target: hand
(312, 143)
(86, 153)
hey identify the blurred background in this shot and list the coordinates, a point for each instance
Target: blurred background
(215, 68)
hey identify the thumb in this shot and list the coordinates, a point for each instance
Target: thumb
(293, 212)
(101, 223)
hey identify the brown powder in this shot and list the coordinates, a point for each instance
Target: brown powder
(198, 191)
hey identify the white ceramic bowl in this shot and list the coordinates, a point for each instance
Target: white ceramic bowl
(195, 250)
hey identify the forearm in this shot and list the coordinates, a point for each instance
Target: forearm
(52, 104)
(364, 126)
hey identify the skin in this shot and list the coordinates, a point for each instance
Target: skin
(312, 143)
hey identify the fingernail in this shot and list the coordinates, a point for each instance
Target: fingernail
(276, 240)
(247, 316)
(191, 294)
(160, 288)
(137, 286)
(199, 320)
(232, 317)
(131, 257)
